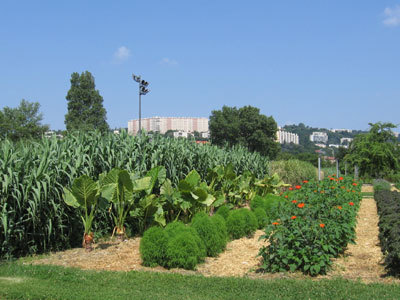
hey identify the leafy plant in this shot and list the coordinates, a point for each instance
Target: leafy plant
(84, 194)
(118, 187)
(381, 185)
(293, 171)
(314, 224)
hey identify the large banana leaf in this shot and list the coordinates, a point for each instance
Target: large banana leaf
(83, 193)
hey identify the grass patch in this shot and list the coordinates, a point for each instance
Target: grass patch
(53, 282)
(367, 194)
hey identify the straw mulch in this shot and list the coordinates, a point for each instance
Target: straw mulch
(360, 261)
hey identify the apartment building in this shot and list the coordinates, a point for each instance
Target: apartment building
(163, 124)
(318, 136)
(286, 137)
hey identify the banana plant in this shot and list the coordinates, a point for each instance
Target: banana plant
(195, 194)
(84, 194)
(269, 185)
(119, 188)
(150, 207)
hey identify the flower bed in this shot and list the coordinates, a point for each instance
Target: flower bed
(388, 204)
(315, 224)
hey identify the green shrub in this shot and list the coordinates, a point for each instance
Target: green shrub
(261, 216)
(222, 232)
(208, 232)
(381, 185)
(183, 250)
(153, 247)
(293, 171)
(241, 222)
(259, 202)
(223, 211)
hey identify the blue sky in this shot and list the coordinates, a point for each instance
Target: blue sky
(332, 64)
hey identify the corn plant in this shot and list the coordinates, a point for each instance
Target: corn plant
(33, 216)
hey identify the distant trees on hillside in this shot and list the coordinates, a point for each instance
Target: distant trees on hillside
(244, 126)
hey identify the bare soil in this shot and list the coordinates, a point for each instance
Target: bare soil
(360, 261)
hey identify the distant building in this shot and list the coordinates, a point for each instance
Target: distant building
(396, 134)
(180, 133)
(345, 141)
(321, 145)
(319, 137)
(287, 137)
(163, 124)
(342, 130)
(334, 145)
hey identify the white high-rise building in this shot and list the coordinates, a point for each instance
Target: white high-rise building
(163, 124)
(287, 137)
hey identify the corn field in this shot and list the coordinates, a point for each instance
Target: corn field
(33, 215)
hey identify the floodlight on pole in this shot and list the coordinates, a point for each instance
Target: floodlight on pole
(142, 91)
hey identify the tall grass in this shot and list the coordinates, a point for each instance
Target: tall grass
(293, 171)
(33, 216)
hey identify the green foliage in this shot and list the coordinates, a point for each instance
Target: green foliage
(208, 232)
(222, 232)
(153, 246)
(223, 211)
(241, 222)
(314, 225)
(27, 281)
(84, 193)
(227, 186)
(261, 216)
(376, 153)
(85, 105)
(23, 122)
(185, 249)
(118, 187)
(244, 126)
(388, 204)
(293, 171)
(33, 215)
(381, 185)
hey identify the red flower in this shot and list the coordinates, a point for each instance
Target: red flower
(331, 178)
(298, 187)
(305, 181)
(322, 225)
(286, 196)
(342, 187)
(339, 207)
(275, 223)
(351, 203)
(300, 205)
(294, 201)
(340, 178)
(290, 189)
(333, 175)
(293, 217)
(354, 183)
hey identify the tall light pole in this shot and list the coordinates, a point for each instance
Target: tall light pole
(142, 91)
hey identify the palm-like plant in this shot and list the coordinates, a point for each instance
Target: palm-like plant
(84, 194)
(119, 187)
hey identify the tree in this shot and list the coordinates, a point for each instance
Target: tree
(244, 126)
(85, 105)
(22, 122)
(376, 153)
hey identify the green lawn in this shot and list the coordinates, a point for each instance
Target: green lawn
(19, 281)
(367, 194)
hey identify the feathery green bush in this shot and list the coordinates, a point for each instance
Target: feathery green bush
(241, 222)
(153, 246)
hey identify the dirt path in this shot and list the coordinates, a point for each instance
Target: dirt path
(364, 259)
